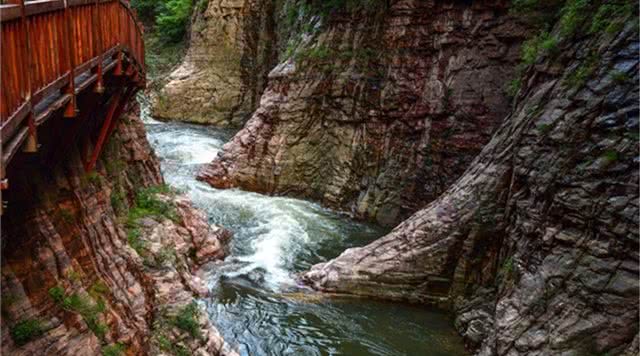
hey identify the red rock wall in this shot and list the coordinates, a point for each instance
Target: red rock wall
(377, 112)
(64, 228)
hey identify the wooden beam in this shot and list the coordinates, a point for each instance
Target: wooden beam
(113, 105)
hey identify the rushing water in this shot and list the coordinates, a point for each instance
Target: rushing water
(255, 302)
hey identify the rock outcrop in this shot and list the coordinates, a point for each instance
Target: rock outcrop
(376, 111)
(86, 270)
(231, 50)
(535, 247)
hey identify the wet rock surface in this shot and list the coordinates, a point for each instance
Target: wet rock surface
(72, 281)
(377, 112)
(535, 247)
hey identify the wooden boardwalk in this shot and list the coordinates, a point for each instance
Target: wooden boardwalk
(52, 51)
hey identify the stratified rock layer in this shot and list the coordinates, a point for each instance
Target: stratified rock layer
(231, 50)
(536, 246)
(377, 111)
(63, 230)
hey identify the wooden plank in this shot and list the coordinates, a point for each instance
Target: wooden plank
(14, 145)
(51, 88)
(56, 105)
(9, 127)
(9, 12)
(74, 3)
(42, 6)
(82, 86)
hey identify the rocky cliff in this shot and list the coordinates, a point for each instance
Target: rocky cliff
(535, 246)
(377, 110)
(103, 262)
(232, 48)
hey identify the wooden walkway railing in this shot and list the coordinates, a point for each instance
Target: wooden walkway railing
(46, 45)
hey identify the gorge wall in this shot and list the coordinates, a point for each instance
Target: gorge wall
(533, 243)
(535, 246)
(376, 111)
(102, 262)
(232, 47)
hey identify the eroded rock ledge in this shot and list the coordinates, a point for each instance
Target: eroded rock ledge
(535, 247)
(86, 271)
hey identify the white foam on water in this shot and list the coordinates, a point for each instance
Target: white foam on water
(277, 225)
(274, 233)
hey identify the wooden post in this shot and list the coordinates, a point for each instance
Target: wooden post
(32, 140)
(97, 40)
(113, 104)
(117, 71)
(70, 88)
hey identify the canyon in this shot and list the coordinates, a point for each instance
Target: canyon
(388, 177)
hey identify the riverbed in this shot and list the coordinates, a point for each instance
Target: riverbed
(255, 301)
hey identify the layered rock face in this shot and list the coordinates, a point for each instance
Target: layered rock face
(231, 50)
(377, 111)
(76, 280)
(535, 247)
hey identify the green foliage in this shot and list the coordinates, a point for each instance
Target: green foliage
(507, 267)
(201, 5)
(542, 44)
(165, 345)
(73, 275)
(93, 177)
(25, 331)
(82, 305)
(57, 294)
(580, 75)
(620, 77)
(514, 87)
(574, 14)
(134, 240)
(98, 289)
(187, 320)
(610, 156)
(116, 349)
(148, 204)
(118, 201)
(611, 16)
(148, 9)
(544, 128)
(172, 20)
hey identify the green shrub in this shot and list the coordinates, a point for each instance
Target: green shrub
(611, 156)
(187, 320)
(57, 294)
(172, 20)
(116, 349)
(82, 305)
(574, 14)
(542, 44)
(580, 75)
(93, 177)
(147, 204)
(118, 201)
(620, 77)
(25, 331)
(611, 16)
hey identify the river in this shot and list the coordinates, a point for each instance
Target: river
(255, 303)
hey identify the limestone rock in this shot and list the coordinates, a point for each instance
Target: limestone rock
(223, 74)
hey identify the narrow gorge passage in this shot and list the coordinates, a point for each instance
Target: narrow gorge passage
(255, 302)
